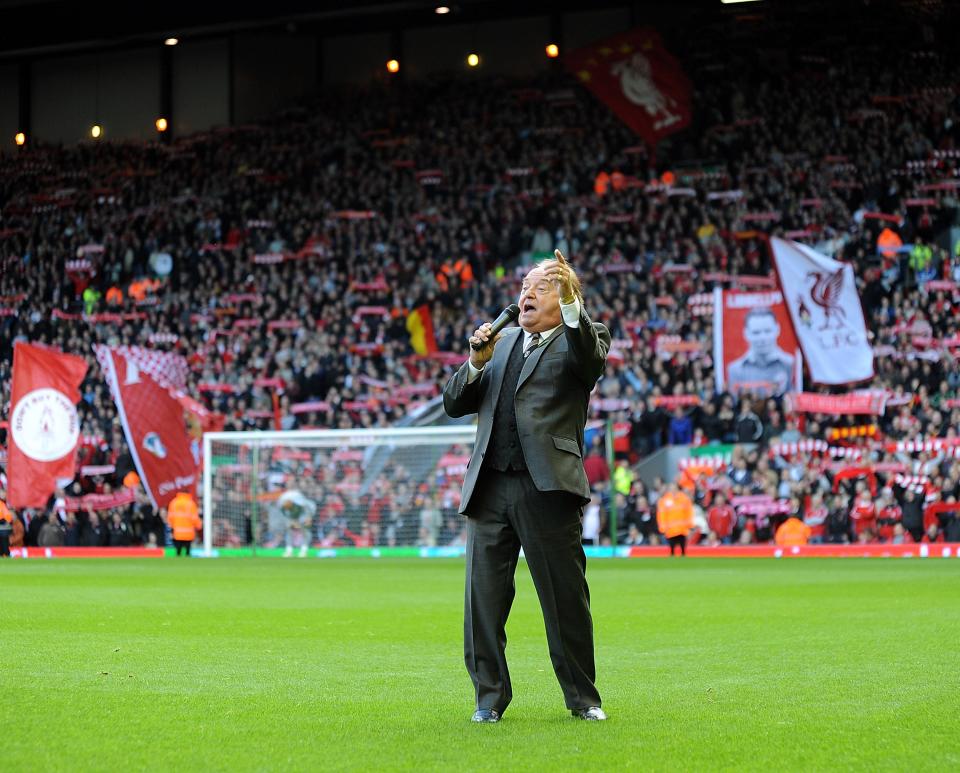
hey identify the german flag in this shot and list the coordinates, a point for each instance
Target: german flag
(420, 328)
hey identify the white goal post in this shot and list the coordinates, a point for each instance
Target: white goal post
(396, 486)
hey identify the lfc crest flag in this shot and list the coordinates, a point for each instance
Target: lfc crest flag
(821, 295)
(44, 425)
(637, 78)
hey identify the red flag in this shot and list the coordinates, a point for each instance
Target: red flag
(637, 78)
(144, 386)
(44, 425)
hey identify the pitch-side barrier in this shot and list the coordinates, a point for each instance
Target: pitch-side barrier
(916, 550)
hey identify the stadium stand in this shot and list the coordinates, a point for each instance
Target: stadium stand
(283, 260)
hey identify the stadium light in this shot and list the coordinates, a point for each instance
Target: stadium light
(170, 42)
(393, 66)
(95, 131)
(553, 50)
(441, 9)
(472, 60)
(734, 2)
(162, 124)
(20, 138)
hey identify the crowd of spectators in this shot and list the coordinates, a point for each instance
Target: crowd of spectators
(282, 260)
(745, 499)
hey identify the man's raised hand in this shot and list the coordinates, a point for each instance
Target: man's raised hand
(560, 275)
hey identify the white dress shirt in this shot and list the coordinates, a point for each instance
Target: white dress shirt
(570, 312)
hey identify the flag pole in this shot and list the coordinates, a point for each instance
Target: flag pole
(612, 499)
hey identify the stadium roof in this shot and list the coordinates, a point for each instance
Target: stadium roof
(30, 28)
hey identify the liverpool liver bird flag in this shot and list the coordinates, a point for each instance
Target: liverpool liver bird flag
(638, 79)
(821, 296)
(44, 424)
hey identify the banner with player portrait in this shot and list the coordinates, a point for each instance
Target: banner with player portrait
(754, 347)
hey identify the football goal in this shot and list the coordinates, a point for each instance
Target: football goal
(331, 488)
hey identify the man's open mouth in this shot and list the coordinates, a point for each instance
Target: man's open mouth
(528, 306)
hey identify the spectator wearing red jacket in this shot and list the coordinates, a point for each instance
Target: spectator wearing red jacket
(595, 463)
(889, 515)
(863, 515)
(722, 518)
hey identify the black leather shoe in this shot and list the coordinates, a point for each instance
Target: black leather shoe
(486, 715)
(590, 713)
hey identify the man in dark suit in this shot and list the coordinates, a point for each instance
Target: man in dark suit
(525, 485)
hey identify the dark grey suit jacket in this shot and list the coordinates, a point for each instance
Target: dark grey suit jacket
(551, 404)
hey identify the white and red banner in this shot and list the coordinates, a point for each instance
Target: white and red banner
(44, 426)
(145, 385)
(754, 348)
(865, 403)
(821, 294)
(638, 79)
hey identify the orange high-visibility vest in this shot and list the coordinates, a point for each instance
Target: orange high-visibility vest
(464, 270)
(791, 532)
(137, 290)
(183, 517)
(442, 276)
(601, 183)
(674, 514)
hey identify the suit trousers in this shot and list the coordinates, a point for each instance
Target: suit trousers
(507, 512)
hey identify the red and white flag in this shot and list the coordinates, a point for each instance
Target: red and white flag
(145, 386)
(821, 295)
(638, 79)
(44, 425)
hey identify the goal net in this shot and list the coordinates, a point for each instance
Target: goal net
(308, 489)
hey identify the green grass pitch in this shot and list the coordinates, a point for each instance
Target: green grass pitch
(270, 664)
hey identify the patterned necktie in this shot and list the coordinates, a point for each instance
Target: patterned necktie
(534, 343)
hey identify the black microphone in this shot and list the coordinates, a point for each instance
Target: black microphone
(507, 316)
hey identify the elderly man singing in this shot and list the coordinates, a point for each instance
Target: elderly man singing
(525, 485)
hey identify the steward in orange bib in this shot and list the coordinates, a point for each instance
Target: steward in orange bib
(792, 532)
(675, 517)
(601, 183)
(184, 520)
(460, 271)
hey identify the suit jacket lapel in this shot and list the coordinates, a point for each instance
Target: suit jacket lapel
(531, 362)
